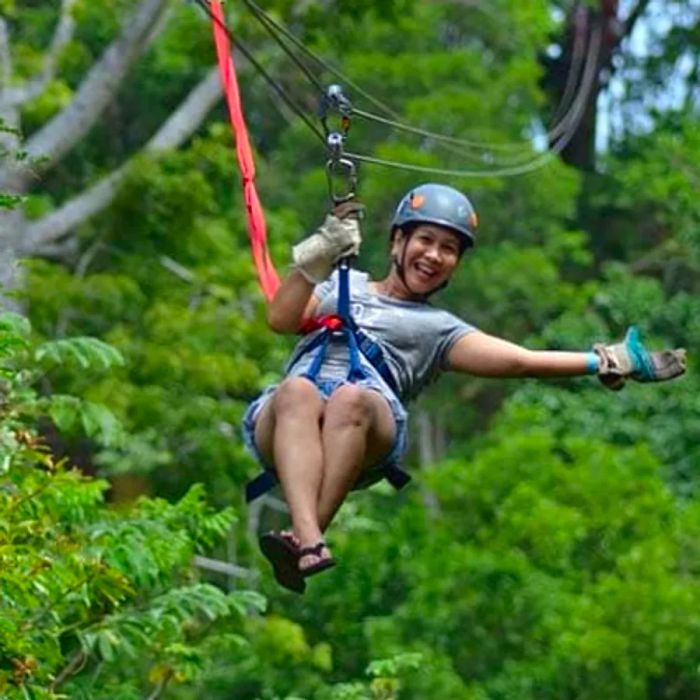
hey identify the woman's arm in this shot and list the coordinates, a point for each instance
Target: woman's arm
(314, 258)
(293, 303)
(485, 355)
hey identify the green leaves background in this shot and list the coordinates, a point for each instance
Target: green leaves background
(548, 546)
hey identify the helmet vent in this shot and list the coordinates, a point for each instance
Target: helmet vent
(417, 200)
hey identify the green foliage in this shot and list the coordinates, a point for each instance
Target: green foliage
(85, 351)
(10, 201)
(546, 567)
(94, 601)
(550, 558)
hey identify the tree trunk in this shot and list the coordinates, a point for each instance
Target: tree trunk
(580, 150)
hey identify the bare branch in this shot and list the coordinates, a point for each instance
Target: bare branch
(185, 120)
(8, 115)
(180, 126)
(63, 250)
(5, 56)
(180, 271)
(162, 685)
(75, 664)
(66, 129)
(223, 567)
(637, 11)
(17, 96)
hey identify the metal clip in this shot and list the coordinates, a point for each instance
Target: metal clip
(341, 171)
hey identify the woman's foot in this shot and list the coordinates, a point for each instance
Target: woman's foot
(282, 551)
(314, 559)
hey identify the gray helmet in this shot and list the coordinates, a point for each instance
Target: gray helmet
(438, 204)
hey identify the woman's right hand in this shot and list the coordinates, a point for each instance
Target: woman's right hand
(338, 237)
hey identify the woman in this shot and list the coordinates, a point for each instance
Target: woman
(337, 420)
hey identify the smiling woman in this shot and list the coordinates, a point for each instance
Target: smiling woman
(337, 421)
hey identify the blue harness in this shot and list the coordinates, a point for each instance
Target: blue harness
(359, 345)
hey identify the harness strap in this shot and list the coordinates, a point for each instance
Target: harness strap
(260, 485)
(358, 344)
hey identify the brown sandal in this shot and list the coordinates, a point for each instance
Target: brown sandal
(284, 556)
(320, 566)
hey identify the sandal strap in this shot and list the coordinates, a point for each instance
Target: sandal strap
(315, 550)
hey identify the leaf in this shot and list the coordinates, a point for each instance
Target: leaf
(245, 601)
(87, 352)
(64, 411)
(10, 201)
(100, 423)
(14, 324)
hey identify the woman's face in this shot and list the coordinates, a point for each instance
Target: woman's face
(428, 257)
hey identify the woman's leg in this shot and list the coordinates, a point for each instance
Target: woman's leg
(288, 434)
(358, 431)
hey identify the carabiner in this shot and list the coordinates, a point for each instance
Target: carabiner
(341, 171)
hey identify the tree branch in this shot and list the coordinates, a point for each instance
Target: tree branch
(181, 124)
(74, 665)
(66, 129)
(637, 11)
(17, 96)
(9, 116)
(5, 57)
(222, 567)
(162, 685)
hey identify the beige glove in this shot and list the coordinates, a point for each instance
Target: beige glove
(631, 359)
(338, 237)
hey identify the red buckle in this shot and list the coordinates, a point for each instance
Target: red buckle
(332, 322)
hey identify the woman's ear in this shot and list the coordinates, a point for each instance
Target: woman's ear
(397, 235)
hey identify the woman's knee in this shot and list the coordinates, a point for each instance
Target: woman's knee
(295, 395)
(349, 405)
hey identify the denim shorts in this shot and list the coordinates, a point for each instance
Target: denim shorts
(326, 387)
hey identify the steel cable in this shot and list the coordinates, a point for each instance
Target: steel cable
(272, 26)
(558, 136)
(278, 89)
(573, 119)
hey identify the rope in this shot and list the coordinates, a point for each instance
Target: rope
(270, 27)
(257, 231)
(276, 87)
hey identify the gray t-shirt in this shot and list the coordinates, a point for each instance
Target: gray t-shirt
(414, 336)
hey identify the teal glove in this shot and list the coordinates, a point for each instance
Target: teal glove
(631, 359)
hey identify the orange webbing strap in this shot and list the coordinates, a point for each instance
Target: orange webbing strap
(269, 279)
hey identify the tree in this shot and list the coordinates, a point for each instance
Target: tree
(661, 60)
(87, 590)
(69, 123)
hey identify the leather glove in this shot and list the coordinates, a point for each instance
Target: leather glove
(631, 359)
(337, 237)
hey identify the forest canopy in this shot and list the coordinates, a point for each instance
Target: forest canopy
(547, 545)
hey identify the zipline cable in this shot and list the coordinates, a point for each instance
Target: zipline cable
(321, 63)
(534, 164)
(566, 127)
(579, 60)
(278, 89)
(272, 26)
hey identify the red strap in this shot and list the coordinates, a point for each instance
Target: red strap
(267, 275)
(332, 322)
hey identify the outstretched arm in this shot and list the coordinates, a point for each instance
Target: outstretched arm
(485, 355)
